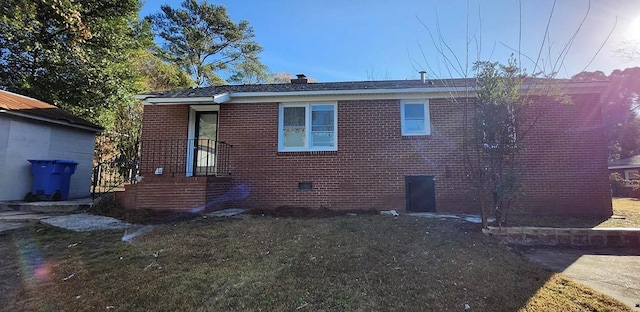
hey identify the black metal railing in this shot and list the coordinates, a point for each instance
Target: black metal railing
(110, 175)
(188, 157)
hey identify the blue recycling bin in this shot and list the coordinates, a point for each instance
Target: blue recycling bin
(51, 179)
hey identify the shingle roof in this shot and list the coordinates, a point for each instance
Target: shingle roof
(631, 162)
(324, 86)
(316, 86)
(33, 108)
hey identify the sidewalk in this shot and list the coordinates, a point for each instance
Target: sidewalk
(79, 221)
(18, 214)
(10, 220)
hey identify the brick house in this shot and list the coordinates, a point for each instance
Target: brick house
(629, 170)
(356, 145)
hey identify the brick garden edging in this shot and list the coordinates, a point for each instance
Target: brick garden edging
(578, 237)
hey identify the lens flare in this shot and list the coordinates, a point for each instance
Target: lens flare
(128, 236)
(32, 264)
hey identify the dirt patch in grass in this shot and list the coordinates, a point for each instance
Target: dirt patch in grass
(363, 263)
(105, 205)
(304, 212)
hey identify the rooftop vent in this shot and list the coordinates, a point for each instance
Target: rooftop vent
(302, 79)
(423, 76)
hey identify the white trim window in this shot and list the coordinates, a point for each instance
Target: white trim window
(308, 127)
(631, 177)
(414, 117)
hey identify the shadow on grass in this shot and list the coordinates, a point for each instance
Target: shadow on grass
(612, 271)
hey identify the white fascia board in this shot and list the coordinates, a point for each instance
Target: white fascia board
(53, 121)
(347, 92)
(624, 167)
(221, 98)
(345, 95)
(181, 100)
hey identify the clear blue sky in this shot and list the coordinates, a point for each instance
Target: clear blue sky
(372, 39)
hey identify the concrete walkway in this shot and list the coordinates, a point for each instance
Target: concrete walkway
(611, 271)
(18, 214)
(70, 219)
(11, 220)
(8, 226)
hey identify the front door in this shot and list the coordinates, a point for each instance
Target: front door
(420, 193)
(205, 143)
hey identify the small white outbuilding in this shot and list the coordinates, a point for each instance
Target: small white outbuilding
(32, 129)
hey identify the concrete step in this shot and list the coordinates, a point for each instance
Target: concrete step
(66, 206)
(8, 226)
(19, 216)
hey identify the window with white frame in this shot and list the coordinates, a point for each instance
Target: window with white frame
(630, 176)
(414, 116)
(308, 127)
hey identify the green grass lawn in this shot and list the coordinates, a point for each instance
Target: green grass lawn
(626, 212)
(362, 263)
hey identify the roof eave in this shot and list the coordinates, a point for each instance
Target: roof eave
(252, 97)
(178, 100)
(351, 92)
(427, 91)
(54, 121)
(623, 167)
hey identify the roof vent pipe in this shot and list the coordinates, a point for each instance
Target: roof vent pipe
(423, 76)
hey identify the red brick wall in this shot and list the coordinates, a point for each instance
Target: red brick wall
(220, 194)
(165, 193)
(367, 171)
(565, 160)
(162, 124)
(565, 157)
